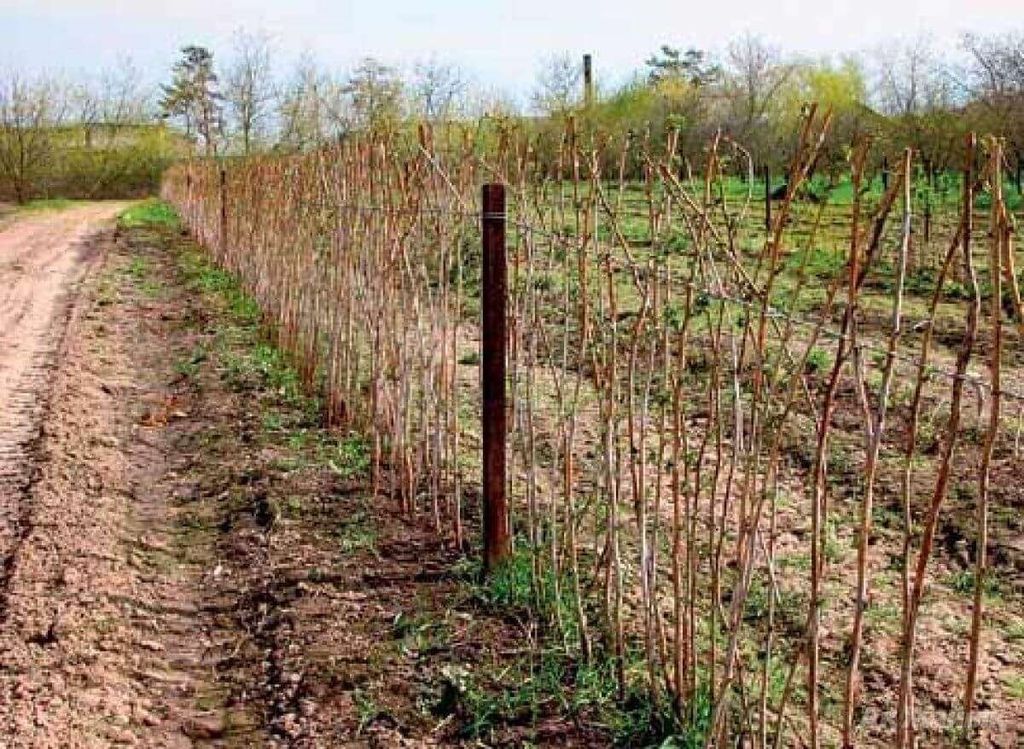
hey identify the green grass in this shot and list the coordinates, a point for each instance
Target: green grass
(962, 582)
(549, 681)
(149, 213)
(50, 204)
(1013, 685)
(356, 533)
(350, 458)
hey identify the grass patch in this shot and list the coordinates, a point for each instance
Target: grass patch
(963, 583)
(356, 533)
(149, 213)
(50, 204)
(1013, 684)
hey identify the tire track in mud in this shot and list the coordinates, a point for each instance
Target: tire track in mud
(43, 259)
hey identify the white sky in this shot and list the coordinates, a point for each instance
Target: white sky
(500, 44)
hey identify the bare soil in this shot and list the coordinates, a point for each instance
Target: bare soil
(104, 635)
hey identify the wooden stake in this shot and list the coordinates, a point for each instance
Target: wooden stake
(493, 302)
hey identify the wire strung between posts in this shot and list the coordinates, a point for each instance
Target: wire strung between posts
(775, 313)
(977, 381)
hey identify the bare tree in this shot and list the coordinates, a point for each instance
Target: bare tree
(438, 88)
(30, 112)
(311, 107)
(911, 79)
(755, 74)
(996, 79)
(249, 90)
(123, 97)
(375, 91)
(558, 87)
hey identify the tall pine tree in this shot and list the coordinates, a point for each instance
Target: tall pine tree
(193, 97)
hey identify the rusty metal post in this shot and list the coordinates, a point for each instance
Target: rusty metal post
(767, 199)
(492, 366)
(588, 81)
(223, 212)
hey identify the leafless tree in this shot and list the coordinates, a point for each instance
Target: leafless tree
(375, 91)
(911, 78)
(249, 90)
(31, 109)
(438, 88)
(755, 73)
(558, 88)
(996, 79)
(311, 107)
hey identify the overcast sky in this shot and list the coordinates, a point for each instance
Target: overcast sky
(499, 43)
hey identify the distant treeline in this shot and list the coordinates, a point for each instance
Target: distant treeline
(87, 141)
(66, 165)
(98, 139)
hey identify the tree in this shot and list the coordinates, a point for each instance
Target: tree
(193, 96)
(114, 100)
(753, 79)
(30, 112)
(557, 89)
(839, 87)
(249, 91)
(110, 112)
(918, 91)
(692, 65)
(996, 80)
(438, 88)
(312, 107)
(910, 78)
(375, 92)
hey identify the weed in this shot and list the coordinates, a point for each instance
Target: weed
(272, 422)
(138, 268)
(884, 615)
(1013, 685)
(963, 583)
(51, 204)
(1015, 631)
(188, 367)
(470, 359)
(350, 458)
(818, 360)
(150, 213)
(833, 549)
(366, 708)
(420, 634)
(356, 533)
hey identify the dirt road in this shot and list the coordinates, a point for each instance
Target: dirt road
(43, 257)
(103, 640)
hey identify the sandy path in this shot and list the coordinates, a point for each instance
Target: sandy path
(43, 257)
(112, 632)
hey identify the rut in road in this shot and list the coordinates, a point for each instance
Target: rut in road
(43, 258)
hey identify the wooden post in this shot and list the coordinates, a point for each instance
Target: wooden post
(767, 199)
(223, 212)
(588, 81)
(885, 174)
(492, 366)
